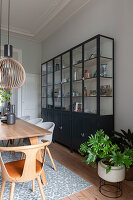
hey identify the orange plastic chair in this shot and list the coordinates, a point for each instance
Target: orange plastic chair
(23, 170)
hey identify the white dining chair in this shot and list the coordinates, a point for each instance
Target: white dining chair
(25, 118)
(50, 127)
(35, 120)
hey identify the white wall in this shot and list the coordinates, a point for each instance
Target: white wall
(113, 18)
(31, 53)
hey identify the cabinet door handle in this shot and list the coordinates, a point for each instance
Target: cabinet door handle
(82, 134)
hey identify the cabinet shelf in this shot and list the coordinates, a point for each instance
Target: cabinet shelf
(66, 68)
(77, 80)
(57, 84)
(92, 61)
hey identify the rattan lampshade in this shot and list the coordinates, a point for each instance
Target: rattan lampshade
(12, 74)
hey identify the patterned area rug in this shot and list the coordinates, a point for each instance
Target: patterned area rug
(60, 183)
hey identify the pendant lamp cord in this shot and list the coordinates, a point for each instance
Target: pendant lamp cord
(0, 24)
(8, 18)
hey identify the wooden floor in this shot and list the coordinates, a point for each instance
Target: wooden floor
(73, 161)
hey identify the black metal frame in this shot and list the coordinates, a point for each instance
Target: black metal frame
(113, 194)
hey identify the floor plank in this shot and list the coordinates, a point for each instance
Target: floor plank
(73, 161)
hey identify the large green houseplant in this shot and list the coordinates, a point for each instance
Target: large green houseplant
(124, 140)
(100, 147)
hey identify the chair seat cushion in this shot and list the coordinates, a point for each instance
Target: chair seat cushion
(15, 168)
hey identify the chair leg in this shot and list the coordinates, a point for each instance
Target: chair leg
(41, 188)
(2, 189)
(33, 185)
(47, 149)
(12, 191)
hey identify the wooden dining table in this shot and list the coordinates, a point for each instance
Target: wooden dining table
(23, 129)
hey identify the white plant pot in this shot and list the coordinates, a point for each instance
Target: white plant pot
(116, 174)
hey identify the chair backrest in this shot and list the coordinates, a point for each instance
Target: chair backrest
(25, 118)
(29, 170)
(35, 120)
(50, 127)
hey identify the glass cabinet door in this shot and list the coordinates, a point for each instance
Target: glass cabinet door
(44, 85)
(106, 76)
(57, 83)
(66, 81)
(50, 84)
(90, 77)
(77, 79)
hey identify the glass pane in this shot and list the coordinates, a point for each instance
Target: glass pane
(50, 91)
(50, 102)
(77, 64)
(77, 96)
(43, 102)
(106, 46)
(77, 79)
(44, 80)
(44, 69)
(50, 73)
(90, 50)
(106, 74)
(66, 103)
(57, 96)
(43, 91)
(57, 83)
(90, 105)
(57, 70)
(66, 81)
(90, 77)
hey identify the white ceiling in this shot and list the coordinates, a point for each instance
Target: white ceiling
(38, 19)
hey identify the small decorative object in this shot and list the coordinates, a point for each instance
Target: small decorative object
(85, 91)
(95, 74)
(86, 73)
(79, 61)
(89, 75)
(77, 94)
(92, 56)
(11, 118)
(93, 93)
(75, 75)
(111, 166)
(78, 107)
(105, 90)
(104, 70)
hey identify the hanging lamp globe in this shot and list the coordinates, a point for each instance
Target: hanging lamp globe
(12, 74)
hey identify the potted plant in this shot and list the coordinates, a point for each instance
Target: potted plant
(4, 96)
(125, 140)
(111, 166)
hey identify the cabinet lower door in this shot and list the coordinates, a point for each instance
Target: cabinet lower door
(49, 115)
(82, 127)
(44, 114)
(66, 129)
(58, 126)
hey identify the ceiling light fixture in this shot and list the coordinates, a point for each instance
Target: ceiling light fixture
(12, 73)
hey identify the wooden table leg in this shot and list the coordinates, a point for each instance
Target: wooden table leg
(33, 141)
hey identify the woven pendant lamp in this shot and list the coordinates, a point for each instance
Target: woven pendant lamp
(12, 73)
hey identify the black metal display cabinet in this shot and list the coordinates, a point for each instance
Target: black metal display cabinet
(78, 91)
